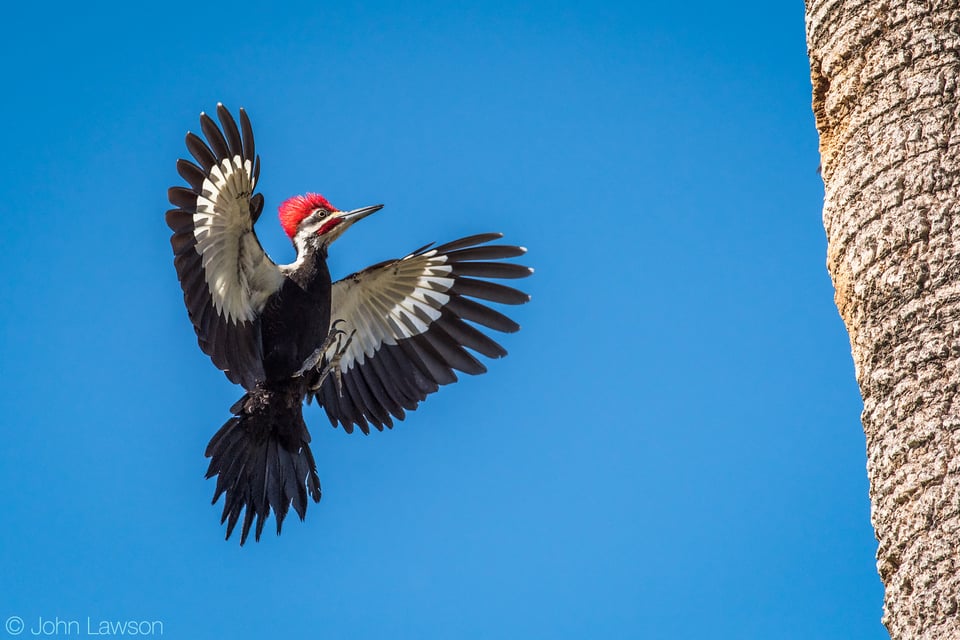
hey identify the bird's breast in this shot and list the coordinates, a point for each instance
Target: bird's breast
(294, 324)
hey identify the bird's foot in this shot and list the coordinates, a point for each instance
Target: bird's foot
(333, 364)
(314, 358)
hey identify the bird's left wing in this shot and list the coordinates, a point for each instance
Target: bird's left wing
(407, 321)
(225, 274)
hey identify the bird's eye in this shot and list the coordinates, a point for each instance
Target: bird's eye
(321, 212)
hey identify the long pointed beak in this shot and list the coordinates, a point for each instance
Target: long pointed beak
(359, 214)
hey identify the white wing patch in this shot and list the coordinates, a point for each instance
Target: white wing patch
(239, 274)
(389, 303)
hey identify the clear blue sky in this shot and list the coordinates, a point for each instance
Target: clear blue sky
(672, 448)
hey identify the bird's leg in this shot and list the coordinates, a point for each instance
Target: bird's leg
(314, 358)
(333, 364)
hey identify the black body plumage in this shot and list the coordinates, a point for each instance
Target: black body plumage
(295, 319)
(367, 348)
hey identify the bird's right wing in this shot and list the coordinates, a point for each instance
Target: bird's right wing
(407, 318)
(225, 274)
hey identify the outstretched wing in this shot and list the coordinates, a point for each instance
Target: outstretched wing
(225, 274)
(409, 317)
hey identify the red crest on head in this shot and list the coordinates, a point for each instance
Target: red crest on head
(295, 209)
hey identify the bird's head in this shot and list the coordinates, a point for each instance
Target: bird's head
(311, 219)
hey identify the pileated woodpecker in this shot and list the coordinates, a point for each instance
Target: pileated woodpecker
(366, 348)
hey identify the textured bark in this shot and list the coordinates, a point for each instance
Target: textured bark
(885, 95)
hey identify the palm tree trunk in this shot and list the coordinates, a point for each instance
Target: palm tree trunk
(886, 77)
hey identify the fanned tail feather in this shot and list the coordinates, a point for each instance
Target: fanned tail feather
(262, 459)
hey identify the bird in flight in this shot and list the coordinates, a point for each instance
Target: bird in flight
(367, 348)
